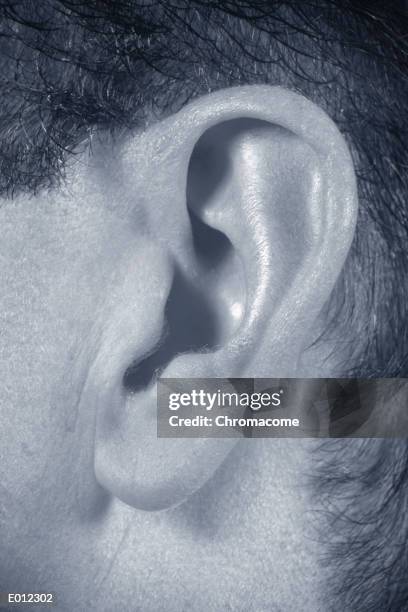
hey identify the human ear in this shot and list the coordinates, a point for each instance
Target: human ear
(250, 208)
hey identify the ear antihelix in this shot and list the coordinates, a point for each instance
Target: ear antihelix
(249, 182)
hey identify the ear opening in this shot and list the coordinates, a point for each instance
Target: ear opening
(190, 326)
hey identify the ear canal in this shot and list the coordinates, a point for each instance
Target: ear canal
(190, 325)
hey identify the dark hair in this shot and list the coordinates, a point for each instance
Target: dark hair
(70, 69)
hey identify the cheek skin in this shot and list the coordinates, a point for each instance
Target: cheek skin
(57, 259)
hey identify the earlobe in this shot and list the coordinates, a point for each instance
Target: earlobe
(250, 195)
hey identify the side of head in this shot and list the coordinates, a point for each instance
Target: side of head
(219, 198)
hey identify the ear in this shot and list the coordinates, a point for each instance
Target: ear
(250, 195)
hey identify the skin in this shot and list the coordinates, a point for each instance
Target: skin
(86, 271)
